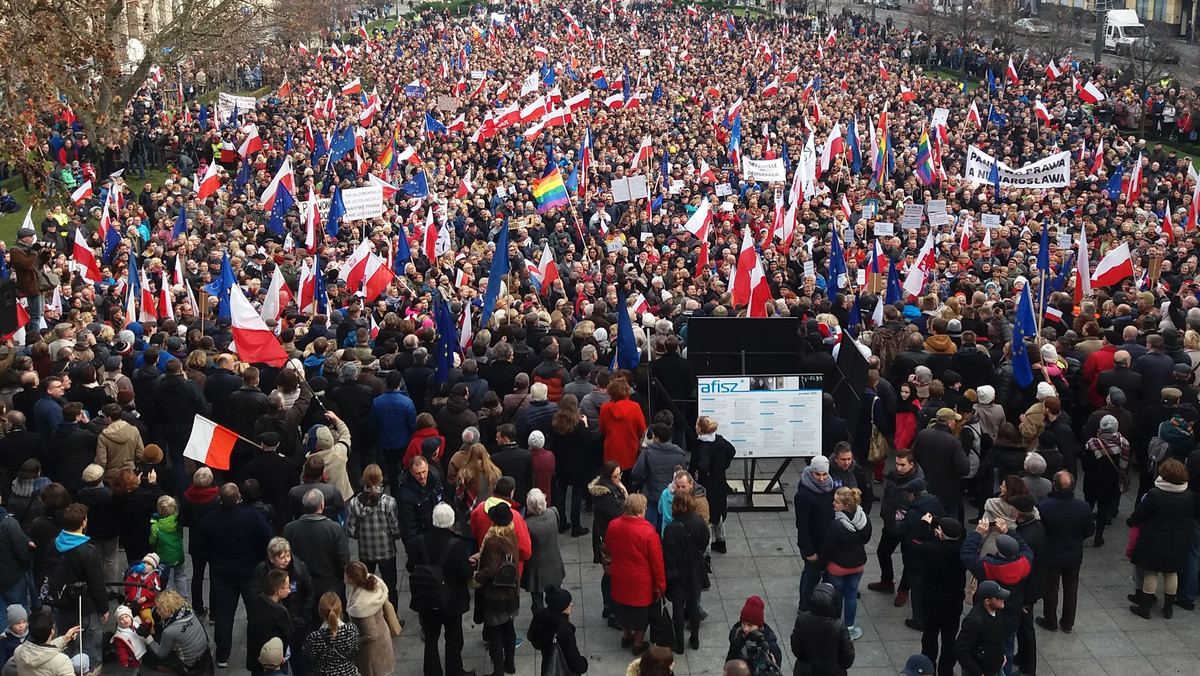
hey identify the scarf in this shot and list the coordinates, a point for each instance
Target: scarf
(851, 523)
(707, 437)
(809, 482)
(1164, 485)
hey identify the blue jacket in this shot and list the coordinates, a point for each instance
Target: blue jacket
(394, 415)
(1068, 522)
(47, 413)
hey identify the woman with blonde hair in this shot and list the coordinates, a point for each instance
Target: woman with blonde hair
(477, 477)
(372, 519)
(331, 648)
(197, 367)
(181, 646)
(711, 456)
(366, 595)
(844, 552)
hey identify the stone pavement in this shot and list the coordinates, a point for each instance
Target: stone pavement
(763, 560)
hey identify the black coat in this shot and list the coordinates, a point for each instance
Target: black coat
(301, 603)
(179, 401)
(217, 388)
(414, 504)
(974, 365)
(321, 544)
(265, 620)
(814, 515)
(980, 644)
(1165, 539)
(1007, 460)
(516, 462)
(16, 447)
(1034, 534)
(548, 628)
(457, 570)
(74, 449)
(607, 504)
(710, 461)
(846, 547)
(244, 408)
(133, 511)
(576, 455)
(683, 543)
(941, 456)
(233, 538)
(820, 641)
(943, 576)
(1068, 522)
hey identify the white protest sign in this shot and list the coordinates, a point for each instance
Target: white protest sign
(638, 188)
(644, 52)
(809, 269)
(724, 189)
(936, 210)
(362, 203)
(884, 229)
(1052, 172)
(861, 280)
(769, 171)
(868, 210)
(478, 74)
(1064, 241)
(990, 220)
(940, 116)
(447, 103)
(227, 102)
(676, 187)
(912, 216)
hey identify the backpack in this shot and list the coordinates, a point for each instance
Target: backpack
(430, 590)
(973, 448)
(506, 575)
(61, 587)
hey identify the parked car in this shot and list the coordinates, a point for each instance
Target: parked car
(1032, 26)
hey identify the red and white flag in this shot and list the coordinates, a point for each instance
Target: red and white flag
(285, 88)
(1098, 160)
(1011, 71)
(1039, 109)
(973, 115)
(643, 152)
(210, 444)
(252, 143)
(253, 342)
(772, 88)
(1133, 188)
(1168, 228)
(1193, 209)
(1052, 71)
(209, 183)
(707, 172)
(352, 87)
(278, 296)
(85, 260)
(376, 278)
(464, 186)
(1091, 94)
(82, 193)
(907, 94)
(1114, 267)
(1052, 314)
(282, 177)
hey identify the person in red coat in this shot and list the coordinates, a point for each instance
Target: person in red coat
(543, 462)
(426, 429)
(622, 424)
(637, 562)
(480, 521)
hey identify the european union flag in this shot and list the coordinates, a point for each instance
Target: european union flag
(1024, 327)
(287, 144)
(319, 148)
(111, 242)
(627, 355)
(658, 93)
(403, 253)
(572, 182)
(1114, 183)
(243, 178)
(202, 118)
(837, 261)
(991, 81)
(549, 77)
(447, 333)
(783, 155)
(625, 83)
(495, 274)
(221, 286)
(432, 125)
(1063, 272)
(320, 294)
(337, 209)
(601, 83)
(893, 293)
(996, 118)
(994, 176)
(417, 186)
(279, 209)
(234, 116)
(342, 144)
(180, 225)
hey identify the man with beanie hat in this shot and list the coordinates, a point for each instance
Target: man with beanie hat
(751, 638)
(1068, 522)
(443, 550)
(553, 625)
(1116, 405)
(814, 514)
(934, 549)
(1010, 566)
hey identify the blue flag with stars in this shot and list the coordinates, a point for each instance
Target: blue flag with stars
(403, 253)
(497, 271)
(627, 355)
(337, 209)
(180, 224)
(447, 332)
(1024, 327)
(417, 186)
(221, 286)
(279, 209)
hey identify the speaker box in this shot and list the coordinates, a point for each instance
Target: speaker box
(8, 307)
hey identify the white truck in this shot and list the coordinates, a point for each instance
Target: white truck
(1122, 31)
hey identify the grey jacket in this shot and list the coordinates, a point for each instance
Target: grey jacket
(655, 468)
(184, 634)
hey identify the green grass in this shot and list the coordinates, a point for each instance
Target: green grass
(750, 12)
(9, 223)
(947, 74)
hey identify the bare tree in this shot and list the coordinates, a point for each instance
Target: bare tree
(1064, 34)
(1151, 61)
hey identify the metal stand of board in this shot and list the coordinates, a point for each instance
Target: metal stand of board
(752, 494)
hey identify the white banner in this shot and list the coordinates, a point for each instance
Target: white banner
(362, 203)
(227, 102)
(1052, 172)
(769, 171)
(940, 116)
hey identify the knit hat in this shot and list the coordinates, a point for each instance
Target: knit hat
(1023, 503)
(271, 655)
(430, 446)
(918, 665)
(268, 440)
(752, 612)
(1108, 424)
(17, 613)
(557, 599)
(124, 611)
(80, 664)
(1049, 353)
(819, 464)
(153, 454)
(986, 394)
(92, 473)
(916, 486)
(1006, 546)
(1117, 396)
(1044, 390)
(151, 560)
(501, 514)
(537, 440)
(324, 438)
(950, 526)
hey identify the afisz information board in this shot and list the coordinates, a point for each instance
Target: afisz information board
(765, 416)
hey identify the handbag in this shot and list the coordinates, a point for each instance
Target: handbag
(879, 443)
(556, 665)
(393, 622)
(662, 629)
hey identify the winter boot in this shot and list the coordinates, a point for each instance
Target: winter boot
(1168, 606)
(1141, 606)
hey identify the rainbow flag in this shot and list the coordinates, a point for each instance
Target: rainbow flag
(881, 150)
(550, 191)
(924, 167)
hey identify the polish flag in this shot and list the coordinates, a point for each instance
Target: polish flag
(707, 172)
(1098, 159)
(352, 87)
(1168, 228)
(252, 142)
(409, 155)
(1083, 280)
(362, 31)
(285, 88)
(907, 94)
(166, 301)
(832, 37)
(282, 177)
(973, 116)
(914, 282)
(1193, 209)
(792, 76)
(388, 188)
(1011, 71)
(465, 333)
(210, 182)
(307, 287)
(1091, 94)
(883, 71)
(1052, 313)
(253, 342)
(377, 277)
(560, 117)
(534, 110)
(82, 193)
(464, 187)
(964, 240)
(278, 296)
(211, 444)
(459, 124)
(581, 100)
(771, 89)
(356, 265)
(1052, 71)
(698, 224)
(1114, 267)
(547, 269)
(614, 102)
(148, 312)
(846, 208)
(1133, 189)
(85, 260)
(643, 152)
(1039, 108)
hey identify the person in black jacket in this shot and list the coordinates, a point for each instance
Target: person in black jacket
(1165, 517)
(90, 612)
(16, 555)
(814, 515)
(301, 601)
(232, 539)
(267, 617)
(553, 625)
(711, 456)
(420, 491)
(934, 547)
(442, 545)
(1009, 566)
(1034, 534)
(514, 461)
(920, 503)
(178, 402)
(940, 454)
(895, 501)
(1068, 521)
(683, 543)
(980, 644)
(820, 640)
(608, 500)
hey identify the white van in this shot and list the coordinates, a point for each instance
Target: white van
(1122, 29)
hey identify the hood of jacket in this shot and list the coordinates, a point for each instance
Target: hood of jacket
(940, 344)
(364, 602)
(664, 447)
(456, 403)
(825, 601)
(547, 369)
(169, 524)
(35, 655)
(121, 432)
(599, 488)
(201, 495)
(66, 541)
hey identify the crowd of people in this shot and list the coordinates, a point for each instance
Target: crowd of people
(528, 342)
